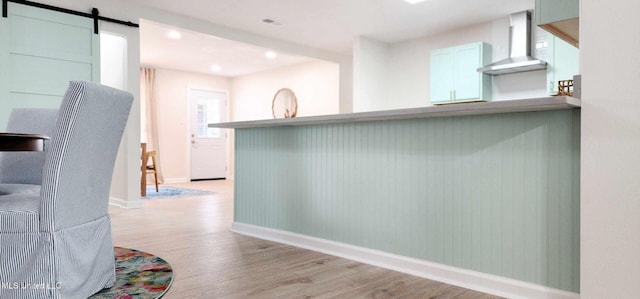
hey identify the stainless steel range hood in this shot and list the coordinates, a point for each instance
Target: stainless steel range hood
(520, 59)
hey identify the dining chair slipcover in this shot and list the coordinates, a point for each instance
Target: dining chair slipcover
(57, 244)
(22, 171)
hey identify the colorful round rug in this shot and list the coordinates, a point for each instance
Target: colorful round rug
(138, 275)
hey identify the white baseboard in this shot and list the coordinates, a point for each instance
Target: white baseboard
(482, 282)
(127, 204)
(175, 180)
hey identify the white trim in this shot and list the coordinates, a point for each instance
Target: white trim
(175, 180)
(487, 283)
(127, 204)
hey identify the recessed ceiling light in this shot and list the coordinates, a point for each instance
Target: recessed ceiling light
(173, 34)
(271, 54)
(413, 1)
(216, 68)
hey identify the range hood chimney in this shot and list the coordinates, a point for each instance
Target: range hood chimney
(520, 59)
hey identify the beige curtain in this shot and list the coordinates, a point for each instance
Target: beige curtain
(149, 115)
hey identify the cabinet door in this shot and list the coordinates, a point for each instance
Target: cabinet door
(466, 77)
(549, 11)
(441, 75)
(564, 63)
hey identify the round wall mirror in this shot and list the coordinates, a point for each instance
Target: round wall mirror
(284, 104)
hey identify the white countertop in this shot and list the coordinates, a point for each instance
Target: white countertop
(525, 105)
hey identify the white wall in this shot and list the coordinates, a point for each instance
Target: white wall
(113, 58)
(346, 85)
(402, 69)
(370, 71)
(610, 182)
(315, 84)
(125, 186)
(173, 118)
(113, 72)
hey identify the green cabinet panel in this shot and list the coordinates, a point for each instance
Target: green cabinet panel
(42, 50)
(454, 76)
(560, 17)
(549, 11)
(467, 86)
(563, 62)
(441, 75)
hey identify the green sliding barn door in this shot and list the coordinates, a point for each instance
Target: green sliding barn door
(40, 52)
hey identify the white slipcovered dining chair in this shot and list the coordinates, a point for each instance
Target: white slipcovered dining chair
(57, 243)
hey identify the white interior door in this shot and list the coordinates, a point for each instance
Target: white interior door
(208, 145)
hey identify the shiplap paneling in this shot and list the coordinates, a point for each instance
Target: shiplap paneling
(42, 50)
(492, 193)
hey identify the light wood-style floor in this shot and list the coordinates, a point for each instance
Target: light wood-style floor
(209, 261)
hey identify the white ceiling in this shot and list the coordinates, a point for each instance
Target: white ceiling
(196, 52)
(332, 25)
